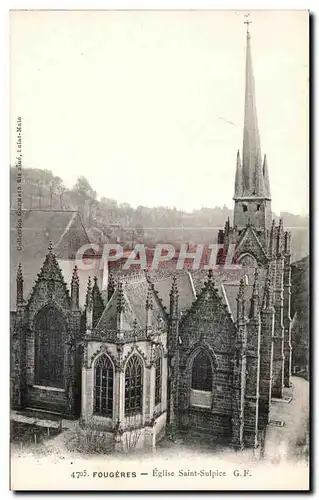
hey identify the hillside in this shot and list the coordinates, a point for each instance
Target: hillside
(121, 222)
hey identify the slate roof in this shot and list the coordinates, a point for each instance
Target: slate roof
(136, 286)
(186, 290)
(135, 291)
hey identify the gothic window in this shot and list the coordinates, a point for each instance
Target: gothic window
(248, 260)
(103, 386)
(158, 377)
(202, 374)
(133, 386)
(50, 333)
(258, 207)
(245, 208)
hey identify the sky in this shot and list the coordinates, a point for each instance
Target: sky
(149, 105)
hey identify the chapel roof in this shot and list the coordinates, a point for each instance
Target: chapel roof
(64, 229)
(135, 290)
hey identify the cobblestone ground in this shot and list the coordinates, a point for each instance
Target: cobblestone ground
(290, 441)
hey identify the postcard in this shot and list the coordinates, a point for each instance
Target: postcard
(159, 227)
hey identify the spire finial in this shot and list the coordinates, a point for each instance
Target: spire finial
(149, 297)
(19, 285)
(120, 306)
(241, 291)
(174, 289)
(19, 272)
(75, 277)
(75, 288)
(50, 247)
(88, 301)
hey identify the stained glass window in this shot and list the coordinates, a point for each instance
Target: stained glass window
(202, 375)
(133, 386)
(103, 386)
(158, 377)
(50, 329)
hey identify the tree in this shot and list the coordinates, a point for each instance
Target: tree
(61, 190)
(83, 188)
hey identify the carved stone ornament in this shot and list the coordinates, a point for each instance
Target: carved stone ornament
(103, 350)
(133, 349)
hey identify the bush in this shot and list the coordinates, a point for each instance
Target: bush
(89, 440)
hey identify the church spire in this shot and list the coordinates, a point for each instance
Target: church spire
(252, 161)
(252, 191)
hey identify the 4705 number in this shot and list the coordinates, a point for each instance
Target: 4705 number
(77, 475)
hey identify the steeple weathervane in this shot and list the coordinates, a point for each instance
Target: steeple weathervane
(247, 16)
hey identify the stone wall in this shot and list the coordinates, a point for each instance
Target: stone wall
(207, 327)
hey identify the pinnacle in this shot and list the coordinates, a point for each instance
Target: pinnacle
(95, 286)
(19, 272)
(256, 283)
(75, 277)
(120, 307)
(88, 301)
(111, 279)
(174, 289)
(241, 290)
(210, 283)
(149, 298)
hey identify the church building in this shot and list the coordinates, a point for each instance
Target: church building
(189, 353)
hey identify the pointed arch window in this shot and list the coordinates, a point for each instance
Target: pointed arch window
(158, 377)
(202, 373)
(50, 334)
(103, 386)
(247, 260)
(133, 386)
